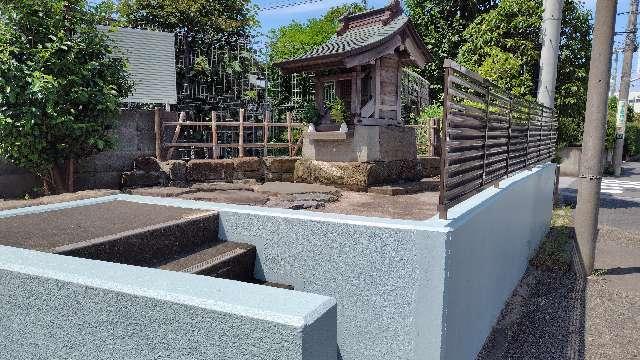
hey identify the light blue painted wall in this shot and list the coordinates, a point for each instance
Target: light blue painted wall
(404, 289)
(491, 240)
(58, 307)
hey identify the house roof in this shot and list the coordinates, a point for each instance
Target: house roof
(358, 34)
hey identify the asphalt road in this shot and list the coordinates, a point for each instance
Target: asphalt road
(619, 199)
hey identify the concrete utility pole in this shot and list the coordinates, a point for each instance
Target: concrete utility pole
(625, 83)
(586, 219)
(614, 76)
(551, 25)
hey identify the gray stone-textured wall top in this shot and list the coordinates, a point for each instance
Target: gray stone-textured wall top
(58, 307)
(151, 58)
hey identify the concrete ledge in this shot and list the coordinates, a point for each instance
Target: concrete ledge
(57, 307)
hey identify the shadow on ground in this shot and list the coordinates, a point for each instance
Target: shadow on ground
(568, 196)
(545, 316)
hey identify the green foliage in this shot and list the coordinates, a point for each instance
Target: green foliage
(338, 111)
(441, 24)
(60, 88)
(503, 45)
(309, 113)
(554, 253)
(207, 20)
(295, 39)
(632, 138)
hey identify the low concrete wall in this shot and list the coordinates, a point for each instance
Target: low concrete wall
(56, 307)
(404, 289)
(135, 138)
(570, 160)
(491, 239)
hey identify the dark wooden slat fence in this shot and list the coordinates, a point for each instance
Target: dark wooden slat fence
(487, 135)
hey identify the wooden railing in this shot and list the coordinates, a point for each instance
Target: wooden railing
(488, 134)
(241, 127)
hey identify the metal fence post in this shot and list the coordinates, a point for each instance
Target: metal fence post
(442, 208)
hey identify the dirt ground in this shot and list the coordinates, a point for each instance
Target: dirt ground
(420, 206)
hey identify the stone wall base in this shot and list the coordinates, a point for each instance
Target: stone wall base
(357, 176)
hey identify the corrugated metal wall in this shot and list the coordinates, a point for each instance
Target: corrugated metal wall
(151, 57)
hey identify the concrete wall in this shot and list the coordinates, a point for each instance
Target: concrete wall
(56, 307)
(404, 289)
(135, 137)
(15, 181)
(490, 241)
(570, 160)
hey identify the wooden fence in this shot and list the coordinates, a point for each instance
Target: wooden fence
(240, 127)
(488, 134)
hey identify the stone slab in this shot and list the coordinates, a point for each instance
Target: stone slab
(221, 186)
(287, 188)
(240, 197)
(162, 191)
(280, 164)
(208, 170)
(131, 179)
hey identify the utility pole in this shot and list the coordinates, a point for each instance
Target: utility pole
(586, 218)
(614, 76)
(625, 83)
(551, 25)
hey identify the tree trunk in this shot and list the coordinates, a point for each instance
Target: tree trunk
(60, 178)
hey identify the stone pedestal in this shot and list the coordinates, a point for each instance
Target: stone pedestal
(362, 144)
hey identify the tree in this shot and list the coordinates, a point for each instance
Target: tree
(441, 24)
(504, 45)
(60, 88)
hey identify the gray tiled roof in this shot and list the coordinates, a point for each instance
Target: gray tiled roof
(357, 38)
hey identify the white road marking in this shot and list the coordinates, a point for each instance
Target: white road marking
(614, 186)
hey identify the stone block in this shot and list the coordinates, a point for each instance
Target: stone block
(175, 170)
(240, 197)
(280, 164)
(131, 179)
(430, 166)
(348, 175)
(272, 177)
(146, 164)
(357, 176)
(98, 180)
(247, 164)
(386, 172)
(241, 175)
(208, 170)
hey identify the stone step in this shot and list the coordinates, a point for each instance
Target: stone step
(150, 245)
(228, 260)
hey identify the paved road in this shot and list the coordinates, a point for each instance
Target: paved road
(620, 198)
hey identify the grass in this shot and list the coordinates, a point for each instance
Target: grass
(555, 251)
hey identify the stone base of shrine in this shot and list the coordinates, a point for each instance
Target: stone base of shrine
(361, 144)
(357, 176)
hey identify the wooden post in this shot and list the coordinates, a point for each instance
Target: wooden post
(377, 90)
(265, 132)
(241, 135)
(289, 135)
(214, 135)
(158, 132)
(176, 134)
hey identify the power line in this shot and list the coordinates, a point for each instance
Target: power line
(284, 5)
